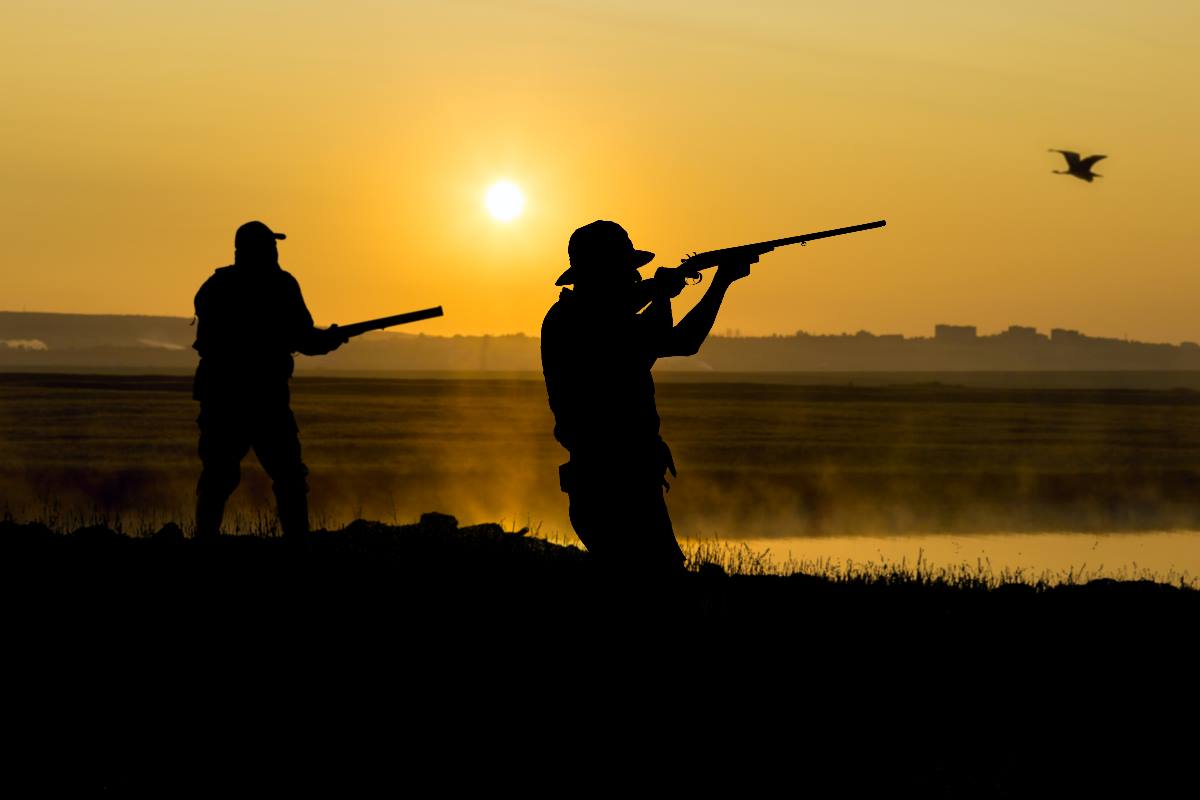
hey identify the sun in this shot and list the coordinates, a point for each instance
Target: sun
(504, 201)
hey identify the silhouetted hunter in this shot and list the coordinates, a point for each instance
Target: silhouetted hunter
(599, 342)
(251, 318)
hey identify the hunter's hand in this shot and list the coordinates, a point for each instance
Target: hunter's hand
(669, 282)
(334, 338)
(730, 271)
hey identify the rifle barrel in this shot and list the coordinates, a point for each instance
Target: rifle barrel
(711, 258)
(359, 328)
(808, 237)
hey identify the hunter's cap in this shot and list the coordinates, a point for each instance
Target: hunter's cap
(254, 233)
(601, 244)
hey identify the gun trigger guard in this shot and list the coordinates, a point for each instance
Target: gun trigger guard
(803, 243)
(694, 281)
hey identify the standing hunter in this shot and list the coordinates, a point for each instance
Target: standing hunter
(251, 318)
(599, 342)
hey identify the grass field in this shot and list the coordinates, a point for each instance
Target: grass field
(756, 460)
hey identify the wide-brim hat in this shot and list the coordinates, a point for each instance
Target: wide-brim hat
(601, 244)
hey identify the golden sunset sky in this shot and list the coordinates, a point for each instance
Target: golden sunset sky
(138, 135)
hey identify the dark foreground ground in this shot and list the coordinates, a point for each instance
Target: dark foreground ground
(470, 659)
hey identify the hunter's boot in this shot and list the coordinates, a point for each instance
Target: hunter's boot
(292, 503)
(210, 510)
(217, 483)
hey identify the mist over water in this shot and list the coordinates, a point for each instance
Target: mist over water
(822, 466)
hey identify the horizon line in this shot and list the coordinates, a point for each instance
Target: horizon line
(729, 333)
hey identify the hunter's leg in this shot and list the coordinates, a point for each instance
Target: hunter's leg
(222, 447)
(278, 449)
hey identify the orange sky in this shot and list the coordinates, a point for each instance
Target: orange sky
(138, 135)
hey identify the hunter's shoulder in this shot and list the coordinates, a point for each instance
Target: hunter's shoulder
(561, 313)
(221, 275)
(287, 280)
(216, 283)
(552, 319)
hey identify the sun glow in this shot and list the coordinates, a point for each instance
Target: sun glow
(504, 201)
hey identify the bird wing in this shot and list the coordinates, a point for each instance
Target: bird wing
(1089, 161)
(1071, 156)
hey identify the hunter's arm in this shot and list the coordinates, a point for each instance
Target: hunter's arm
(645, 292)
(685, 338)
(311, 340)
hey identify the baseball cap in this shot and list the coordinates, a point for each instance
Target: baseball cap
(253, 233)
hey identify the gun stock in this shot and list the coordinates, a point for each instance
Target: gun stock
(692, 265)
(359, 328)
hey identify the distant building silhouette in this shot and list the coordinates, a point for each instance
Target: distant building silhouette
(955, 333)
(1022, 333)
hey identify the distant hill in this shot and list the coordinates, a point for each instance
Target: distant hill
(101, 341)
(109, 342)
(40, 340)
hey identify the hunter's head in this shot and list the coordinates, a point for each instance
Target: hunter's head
(603, 260)
(254, 245)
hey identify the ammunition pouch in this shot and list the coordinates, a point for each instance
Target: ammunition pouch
(566, 477)
(653, 464)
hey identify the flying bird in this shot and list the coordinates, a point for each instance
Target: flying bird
(1079, 167)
